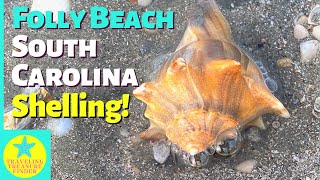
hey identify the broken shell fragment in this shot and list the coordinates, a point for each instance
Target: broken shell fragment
(300, 32)
(316, 114)
(316, 106)
(247, 166)
(316, 32)
(314, 17)
(144, 3)
(301, 19)
(309, 50)
(271, 84)
(284, 62)
(29, 90)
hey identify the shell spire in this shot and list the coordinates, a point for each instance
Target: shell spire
(208, 87)
(213, 25)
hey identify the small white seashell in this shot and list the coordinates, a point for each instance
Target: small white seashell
(144, 3)
(316, 114)
(309, 50)
(247, 166)
(300, 32)
(60, 127)
(276, 124)
(161, 151)
(316, 32)
(303, 99)
(50, 5)
(314, 16)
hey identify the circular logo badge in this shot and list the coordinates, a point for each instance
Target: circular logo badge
(24, 156)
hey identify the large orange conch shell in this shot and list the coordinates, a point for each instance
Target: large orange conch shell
(207, 87)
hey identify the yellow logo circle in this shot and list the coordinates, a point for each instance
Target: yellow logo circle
(24, 156)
